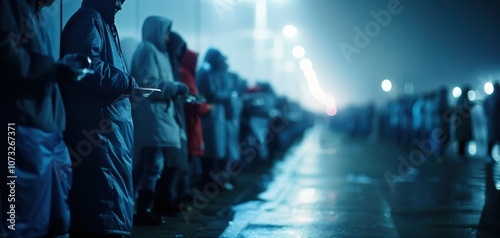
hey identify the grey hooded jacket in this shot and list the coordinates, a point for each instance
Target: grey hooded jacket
(154, 117)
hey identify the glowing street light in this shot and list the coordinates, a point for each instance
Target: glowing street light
(386, 85)
(298, 52)
(290, 31)
(488, 88)
(457, 92)
(331, 111)
(310, 73)
(306, 64)
(471, 95)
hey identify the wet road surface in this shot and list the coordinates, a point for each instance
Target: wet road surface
(334, 186)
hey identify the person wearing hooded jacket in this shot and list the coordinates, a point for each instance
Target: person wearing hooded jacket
(33, 113)
(99, 131)
(193, 113)
(492, 111)
(212, 81)
(177, 48)
(156, 127)
(234, 109)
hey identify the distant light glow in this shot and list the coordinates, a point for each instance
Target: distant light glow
(310, 73)
(307, 195)
(331, 111)
(471, 95)
(386, 85)
(306, 64)
(457, 92)
(472, 148)
(409, 88)
(488, 88)
(496, 153)
(315, 89)
(330, 101)
(290, 31)
(298, 52)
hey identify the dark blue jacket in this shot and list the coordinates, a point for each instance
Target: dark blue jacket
(30, 98)
(99, 124)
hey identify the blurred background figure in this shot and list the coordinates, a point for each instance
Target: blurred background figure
(212, 79)
(157, 131)
(177, 47)
(99, 113)
(193, 114)
(233, 110)
(492, 111)
(258, 102)
(418, 119)
(463, 121)
(441, 135)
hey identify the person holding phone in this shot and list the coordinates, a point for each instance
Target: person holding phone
(100, 131)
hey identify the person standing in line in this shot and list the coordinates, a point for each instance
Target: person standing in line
(193, 113)
(442, 133)
(234, 109)
(492, 111)
(157, 132)
(463, 122)
(34, 117)
(211, 81)
(99, 131)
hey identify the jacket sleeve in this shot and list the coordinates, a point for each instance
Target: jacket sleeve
(85, 34)
(197, 109)
(147, 71)
(193, 109)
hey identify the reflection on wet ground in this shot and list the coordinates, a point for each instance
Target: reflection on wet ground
(332, 186)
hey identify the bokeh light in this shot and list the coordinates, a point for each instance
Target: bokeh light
(488, 88)
(290, 31)
(386, 85)
(457, 92)
(298, 52)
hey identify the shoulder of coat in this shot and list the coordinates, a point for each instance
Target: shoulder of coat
(86, 14)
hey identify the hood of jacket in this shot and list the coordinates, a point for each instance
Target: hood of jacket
(155, 29)
(176, 47)
(107, 8)
(190, 61)
(215, 58)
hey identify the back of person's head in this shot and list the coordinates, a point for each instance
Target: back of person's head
(215, 58)
(155, 30)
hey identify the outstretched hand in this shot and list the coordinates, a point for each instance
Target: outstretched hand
(78, 64)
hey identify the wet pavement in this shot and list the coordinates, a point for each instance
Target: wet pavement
(334, 186)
